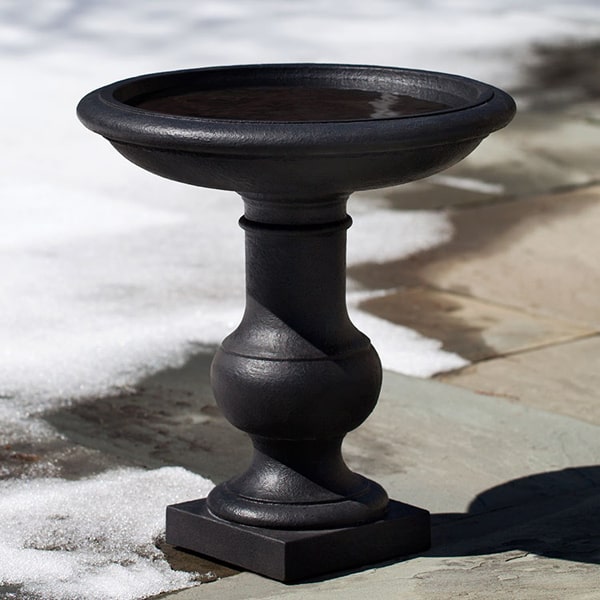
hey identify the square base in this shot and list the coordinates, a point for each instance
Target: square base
(292, 555)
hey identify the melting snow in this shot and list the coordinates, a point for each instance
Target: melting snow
(94, 538)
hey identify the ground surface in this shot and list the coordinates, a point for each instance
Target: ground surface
(504, 453)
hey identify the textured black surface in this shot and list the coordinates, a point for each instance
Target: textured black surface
(296, 375)
(295, 555)
(301, 158)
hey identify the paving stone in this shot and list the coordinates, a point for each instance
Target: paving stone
(514, 493)
(539, 151)
(168, 419)
(495, 577)
(513, 490)
(564, 378)
(473, 329)
(538, 254)
(440, 446)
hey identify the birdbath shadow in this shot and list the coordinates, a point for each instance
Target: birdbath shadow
(296, 375)
(551, 514)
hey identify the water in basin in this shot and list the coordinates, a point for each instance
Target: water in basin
(286, 103)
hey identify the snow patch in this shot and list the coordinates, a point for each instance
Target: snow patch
(397, 345)
(93, 538)
(467, 183)
(383, 235)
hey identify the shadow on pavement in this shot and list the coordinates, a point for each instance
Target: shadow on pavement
(553, 514)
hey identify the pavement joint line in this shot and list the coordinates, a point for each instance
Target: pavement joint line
(592, 330)
(530, 349)
(541, 346)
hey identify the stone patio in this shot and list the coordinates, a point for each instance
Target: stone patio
(504, 453)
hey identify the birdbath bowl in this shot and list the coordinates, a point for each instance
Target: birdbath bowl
(296, 375)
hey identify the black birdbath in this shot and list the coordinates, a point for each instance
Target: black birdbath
(295, 140)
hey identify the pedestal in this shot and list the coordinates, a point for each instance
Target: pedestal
(296, 376)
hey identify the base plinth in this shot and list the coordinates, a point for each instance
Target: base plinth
(301, 554)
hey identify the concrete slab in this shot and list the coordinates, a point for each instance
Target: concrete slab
(564, 379)
(513, 490)
(523, 576)
(440, 446)
(169, 419)
(538, 254)
(473, 329)
(492, 577)
(540, 151)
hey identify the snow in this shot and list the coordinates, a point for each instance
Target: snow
(124, 273)
(467, 183)
(399, 345)
(94, 538)
(110, 274)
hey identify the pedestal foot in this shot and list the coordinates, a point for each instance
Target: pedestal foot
(290, 556)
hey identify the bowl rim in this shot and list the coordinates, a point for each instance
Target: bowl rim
(479, 109)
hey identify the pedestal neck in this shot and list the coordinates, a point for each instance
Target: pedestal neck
(296, 375)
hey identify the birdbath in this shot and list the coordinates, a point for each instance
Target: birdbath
(295, 140)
